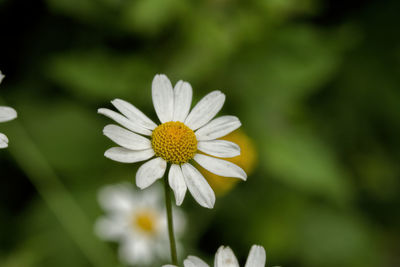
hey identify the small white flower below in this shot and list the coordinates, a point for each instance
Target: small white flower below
(137, 221)
(226, 258)
(6, 114)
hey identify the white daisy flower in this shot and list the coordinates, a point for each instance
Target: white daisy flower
(6, 114)
(226, 258)
(137, 222)
(177, 140)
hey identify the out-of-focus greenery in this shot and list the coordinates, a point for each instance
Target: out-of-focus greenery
(315, 84)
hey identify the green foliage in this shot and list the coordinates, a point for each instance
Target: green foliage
(101, 76)
(320, 101)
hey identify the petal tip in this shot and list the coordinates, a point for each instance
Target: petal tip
(211, 204)
(160, 76)
(115, 100)
(106, 154)
(105, 129)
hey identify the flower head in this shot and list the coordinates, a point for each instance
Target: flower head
(6, 114)
(226, 258)
(180, 138)
(137, 222)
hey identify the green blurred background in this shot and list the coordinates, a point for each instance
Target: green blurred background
(314, 82)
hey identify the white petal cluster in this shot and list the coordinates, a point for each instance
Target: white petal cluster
(172, 104)
(123, 204)
(226, 258)
(6, 114)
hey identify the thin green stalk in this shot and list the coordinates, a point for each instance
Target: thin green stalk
(168, 206)
(57, 197)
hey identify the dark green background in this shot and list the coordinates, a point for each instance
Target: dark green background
(315, 84)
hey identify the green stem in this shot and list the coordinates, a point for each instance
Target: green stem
(57, 197)
(168, 206)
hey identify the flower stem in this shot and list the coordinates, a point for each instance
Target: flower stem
(168, 206)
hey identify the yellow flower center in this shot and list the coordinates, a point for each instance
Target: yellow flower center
(174, 142)
(145, 221)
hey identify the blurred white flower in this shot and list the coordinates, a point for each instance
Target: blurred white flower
(6, 114)
(226, 258)
(177, 140)
(137, 221)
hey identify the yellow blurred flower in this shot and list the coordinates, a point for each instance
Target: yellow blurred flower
(247, 160)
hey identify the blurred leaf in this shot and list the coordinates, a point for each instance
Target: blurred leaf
(300, 159)
(102, 76)
(48, 241)
(62, 129)
(332, 239)
(82, 9)
(149, 16)
(276, 77)
(280, 9)
(379, 175)
(203, 50)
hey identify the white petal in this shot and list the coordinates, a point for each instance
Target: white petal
(218, 127)
(1, 76)
(198, 186)
(257, 257)
(126, 138)
(3, 141)
(193, 261)
(111, 229)
(189, 263)
(149, 172)
(205, 110)
(177, 183)
(220, 167)
(163, 97)
(135, 252)
(7, 114)
(225, 258)
(118, 198)
(182, 100)
(124, 121)
(134, 114)
(219, 148)
(124, 155)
